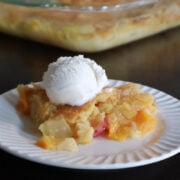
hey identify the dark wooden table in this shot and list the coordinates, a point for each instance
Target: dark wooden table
(154, 61)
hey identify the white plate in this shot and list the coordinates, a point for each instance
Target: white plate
(17, 138)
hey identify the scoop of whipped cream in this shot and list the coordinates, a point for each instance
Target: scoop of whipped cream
(73, 80)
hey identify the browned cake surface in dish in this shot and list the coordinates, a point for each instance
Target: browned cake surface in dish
(93, 2)
(87, 31)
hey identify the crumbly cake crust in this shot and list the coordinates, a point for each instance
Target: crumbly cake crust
(124, 112)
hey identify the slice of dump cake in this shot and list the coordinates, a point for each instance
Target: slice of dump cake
(117, 113)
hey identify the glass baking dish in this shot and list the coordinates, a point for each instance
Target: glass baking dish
(87, 25)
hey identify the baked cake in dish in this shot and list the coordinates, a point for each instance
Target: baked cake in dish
(88, 25)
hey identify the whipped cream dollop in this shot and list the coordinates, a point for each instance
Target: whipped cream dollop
(73, 80)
